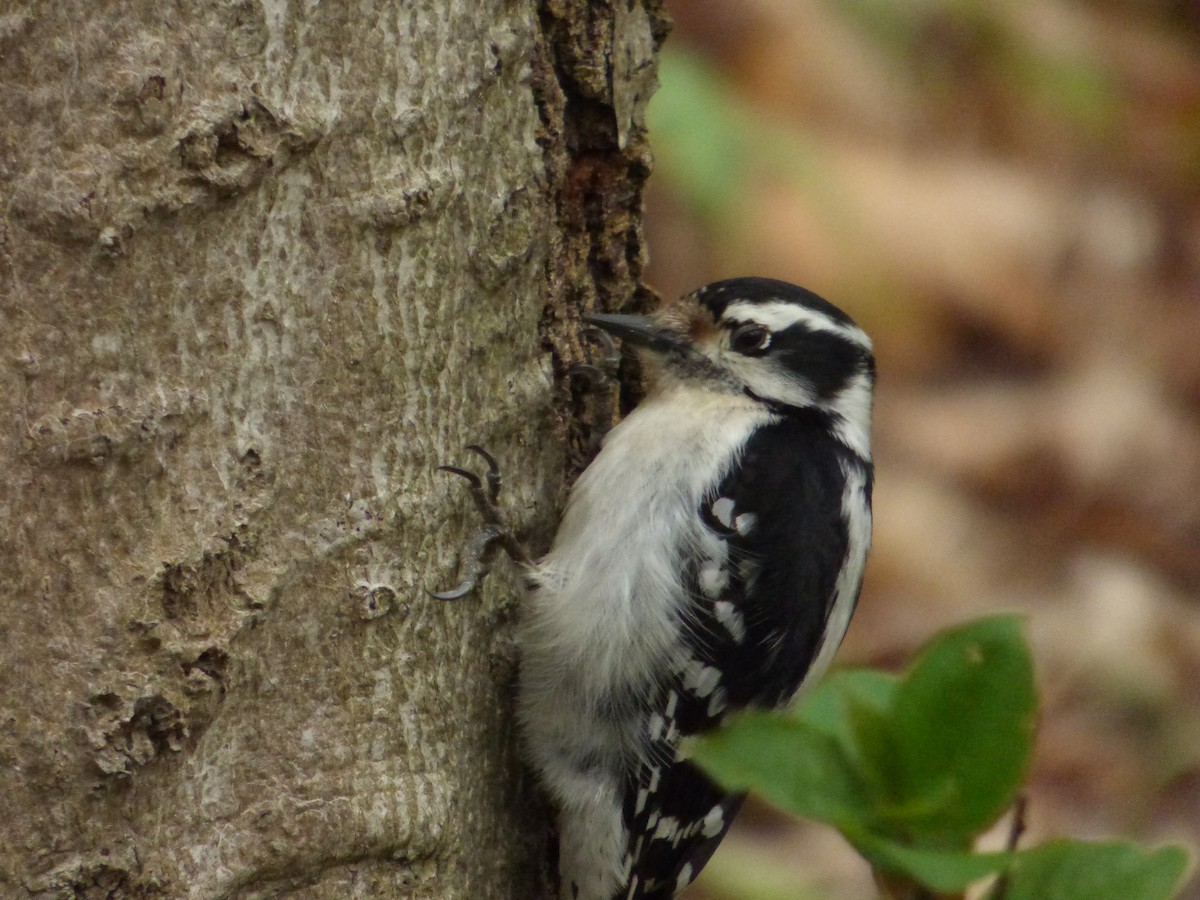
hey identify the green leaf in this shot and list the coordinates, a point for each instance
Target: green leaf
(1112, 870)
(854, 708)
(932, 758)
(964, 719)
(788, 762)
(942, 870)
(827, 707)
(912, 769)
(1059, 870)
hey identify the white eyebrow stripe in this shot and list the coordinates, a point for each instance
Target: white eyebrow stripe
(779, 316)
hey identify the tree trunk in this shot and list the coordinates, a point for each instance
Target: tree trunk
(264, 266)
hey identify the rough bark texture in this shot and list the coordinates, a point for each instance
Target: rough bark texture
(263, 266)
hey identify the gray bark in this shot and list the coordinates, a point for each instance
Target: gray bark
(263, 266)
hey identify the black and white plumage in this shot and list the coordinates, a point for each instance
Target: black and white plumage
(709, 560)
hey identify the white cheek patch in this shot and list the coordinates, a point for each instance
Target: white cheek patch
(768, 380)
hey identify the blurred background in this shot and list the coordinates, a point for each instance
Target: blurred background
(1007, 197)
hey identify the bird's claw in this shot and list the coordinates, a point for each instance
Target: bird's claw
(588, 377)
(486, 498)
(480, 549)
(476, 563)
(612, 356)
(465, 473)
(494, 481)
(600, 375)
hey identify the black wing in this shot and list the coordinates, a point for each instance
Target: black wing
(758, 619)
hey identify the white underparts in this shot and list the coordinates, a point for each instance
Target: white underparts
(602, 623)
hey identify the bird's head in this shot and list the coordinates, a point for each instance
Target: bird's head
(779, 344)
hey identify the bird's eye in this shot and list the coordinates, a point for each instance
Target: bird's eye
(750, 338)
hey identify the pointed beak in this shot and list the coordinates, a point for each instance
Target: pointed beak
(641, 331)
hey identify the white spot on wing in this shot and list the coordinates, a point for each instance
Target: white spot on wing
(667, 830)
(700, 679)
(713, 822)
(713, 578)
(731, 619)
(672, 704)
(717, 703)
(685, 877)
(656, 726)
(722, 510)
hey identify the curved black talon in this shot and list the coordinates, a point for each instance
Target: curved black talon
(477, 559)
(457, 594)
(477, 556)
(593, 376)
(605, 340)
(485, 499)
(465, 473)
(493, 466)
(601, 374)
(494, 481)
